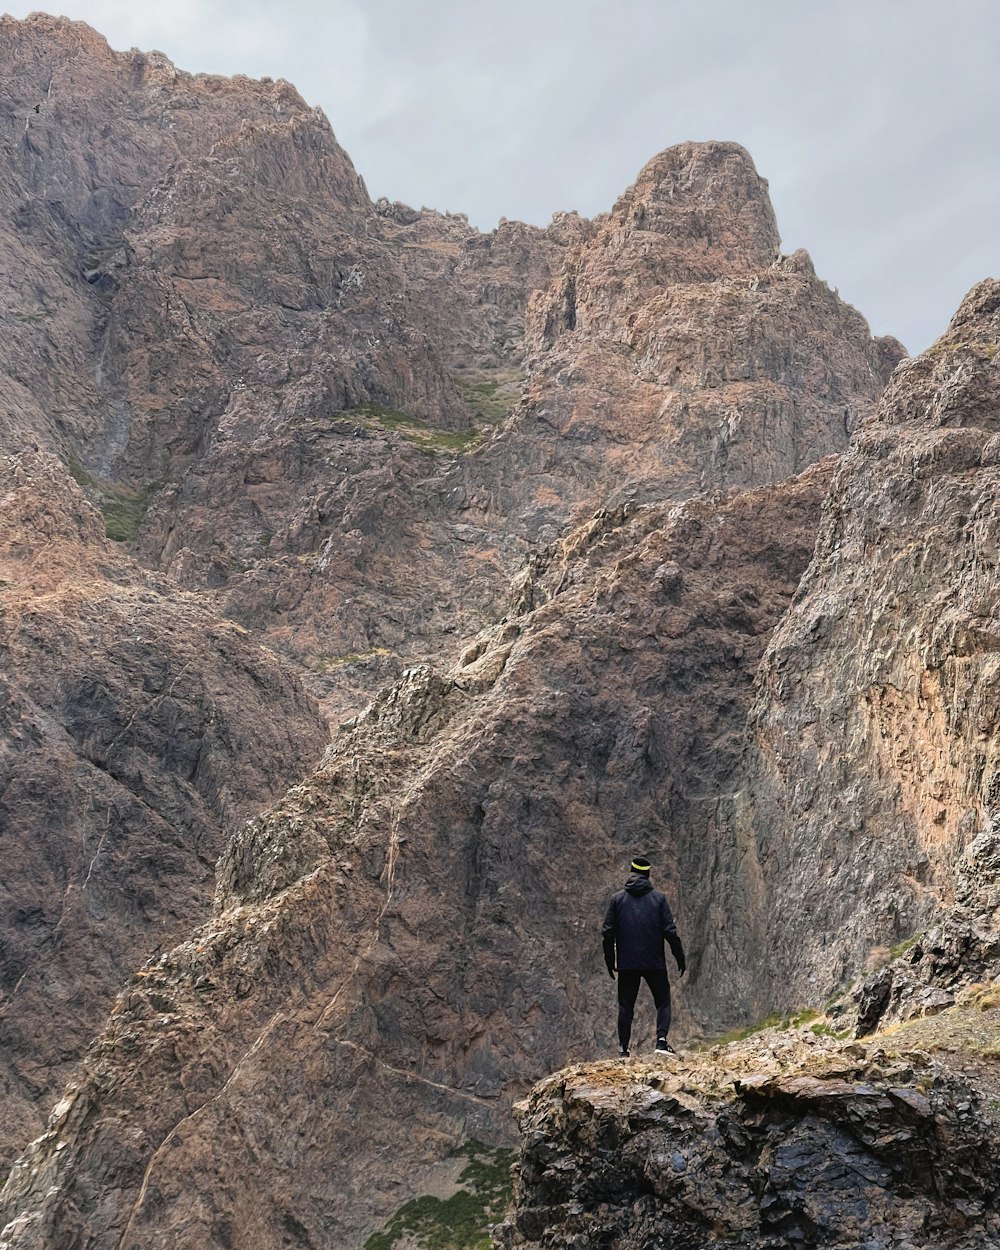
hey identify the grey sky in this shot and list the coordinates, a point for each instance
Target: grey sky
(875, 121)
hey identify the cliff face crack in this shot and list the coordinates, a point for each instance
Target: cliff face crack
(412, 1076)
(145, 709)
(392, 854)
(97, 853)
(191, 1117)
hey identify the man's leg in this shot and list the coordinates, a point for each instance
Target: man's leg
(659, 984)
(628, 990)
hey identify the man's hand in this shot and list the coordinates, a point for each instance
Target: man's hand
(611, 972)
(682, 966)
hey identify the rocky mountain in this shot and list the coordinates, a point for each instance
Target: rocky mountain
(865, 806)
(138, 731)
(680, 351)
(407, 939)
(872, 762)
(284, 371)
(584, 540)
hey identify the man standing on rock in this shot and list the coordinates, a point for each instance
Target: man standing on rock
(634, 929)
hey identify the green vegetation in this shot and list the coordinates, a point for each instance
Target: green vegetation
(797, 1020)
(483, 394)
(902, 947)
(325, 663)
(739, 1035)
(989, 350)
(462, 1221)
(427, 438)
(123, 507)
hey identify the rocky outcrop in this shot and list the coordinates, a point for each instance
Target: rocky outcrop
(138, 730)
(872, 763)
(930, 971)
(409, 938)
(491, 277)
(679, 351)
(784, 1140)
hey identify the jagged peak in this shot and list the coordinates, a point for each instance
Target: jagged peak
(980, 308)
(955, 381)
(697, 157)
(52, 35)
(713, 187)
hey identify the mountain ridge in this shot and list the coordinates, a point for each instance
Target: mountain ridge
(578, 537)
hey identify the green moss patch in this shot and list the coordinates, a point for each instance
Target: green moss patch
(461, 1222)
(123, 507)
(326, 663)
(426, 437)
(486, 394)
(807, 1016)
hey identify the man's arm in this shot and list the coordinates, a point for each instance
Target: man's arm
(672, 936)
(608, 930)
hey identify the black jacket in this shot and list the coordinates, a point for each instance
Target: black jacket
(637, 922)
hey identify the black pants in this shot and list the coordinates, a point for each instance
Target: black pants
(628, 992)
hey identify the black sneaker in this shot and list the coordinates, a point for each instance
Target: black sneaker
(624, 1054)
(663, 1047)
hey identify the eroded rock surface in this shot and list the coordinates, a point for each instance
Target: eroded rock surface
(306, 410)
(784, 1140)
(409, 938)
(872, 764)
(138, 731)
(679, 351)
(206, 307)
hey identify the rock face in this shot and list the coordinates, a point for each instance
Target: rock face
(197, 286)
(551, 496)
(791, 1140)
(138, 730)
(410, 936)
(872, 764)
(679, 351)
(222, 320)
(489, 276)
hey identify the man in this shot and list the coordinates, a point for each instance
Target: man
(637, 922)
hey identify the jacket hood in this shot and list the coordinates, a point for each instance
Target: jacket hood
(638, 883)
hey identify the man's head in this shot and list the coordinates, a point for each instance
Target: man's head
(641, 864)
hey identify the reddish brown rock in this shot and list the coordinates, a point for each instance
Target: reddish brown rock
(138, 730)
(872, 764)
(410, 936)
(678, 351)
(304, 396)
(489, 276)
(785, 1139)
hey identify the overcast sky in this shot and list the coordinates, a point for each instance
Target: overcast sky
(876, 122)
